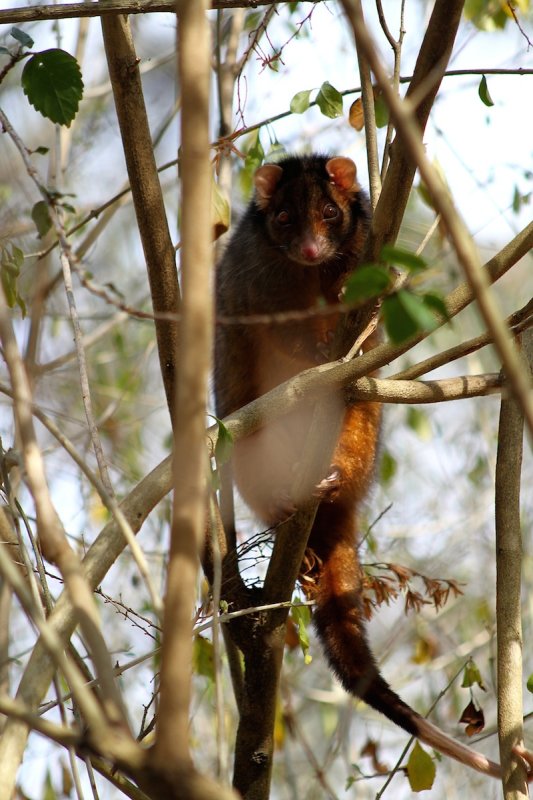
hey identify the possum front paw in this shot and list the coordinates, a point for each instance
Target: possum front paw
(310, 573)
(329, 486)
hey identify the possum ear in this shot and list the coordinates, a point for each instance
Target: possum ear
(342, 172)
(266, 179)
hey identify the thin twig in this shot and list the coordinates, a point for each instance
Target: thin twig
(370, 126)
(509, 556)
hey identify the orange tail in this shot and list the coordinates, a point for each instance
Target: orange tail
(334, 579)
(339, 618)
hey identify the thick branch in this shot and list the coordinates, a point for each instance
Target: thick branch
(69, 10)
(146, 189)
(171, 773)
(188, 518)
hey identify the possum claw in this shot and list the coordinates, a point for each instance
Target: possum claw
(328, 485)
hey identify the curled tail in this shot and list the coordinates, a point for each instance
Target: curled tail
(334, 582)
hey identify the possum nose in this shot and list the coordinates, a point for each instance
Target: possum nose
(310, 249)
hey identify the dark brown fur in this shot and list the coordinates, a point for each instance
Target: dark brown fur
(299, 239)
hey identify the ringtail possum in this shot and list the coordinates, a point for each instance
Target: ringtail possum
(298, 240)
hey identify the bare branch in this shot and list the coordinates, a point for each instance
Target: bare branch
(61, 734)
(114, 7)
(188, 520)
(101, 555)
(370, 125)
(519, 321)
(509, 556)
(52, 537)
(146, 189)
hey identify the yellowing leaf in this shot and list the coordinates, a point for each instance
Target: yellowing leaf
(220, 211)
(424, 650)
(420, 769)
(279, 727)
(356, 117)
(203, 657)
(472, 675)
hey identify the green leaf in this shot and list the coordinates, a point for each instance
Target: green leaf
(483, 91)
(49, 791)
(381, 111)
(8, 285)
(302, 617)
(420, 312)
(472, 675)
(388, 468)
(275, 151)
(224, 445)
(203, 657)
(405, 314)
(53, 85)
(18, 256)
(486, 15)
(10, 265)
(42, 151)
(403, 258)
(255, 154)
(418, 421)
(329, 101)
(21, 37)
(421, 769)
(529, 684)
(254, 158)
(369, 280)
(4, 50)
(252, 20)
(300, 101)
(436, 303)
(399, 323)
(41, 216)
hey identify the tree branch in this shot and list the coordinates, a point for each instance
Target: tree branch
(146, 190)
(113, 7)
(175, 776)
(409, 131)
(367, 91)
(508, 590)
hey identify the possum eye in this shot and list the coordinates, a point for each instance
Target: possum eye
(330, 211)
(283, 217)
